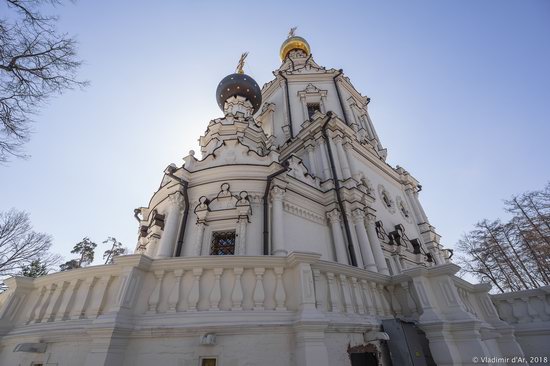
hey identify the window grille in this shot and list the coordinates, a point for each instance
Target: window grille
(223, 243)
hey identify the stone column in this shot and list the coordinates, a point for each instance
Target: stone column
(348, 148)
(304, 107)
(285, 106)
(172, 224)
(345, 107)
(346, 173)
(324, 159)
(240, 247)
(153, 239)
(376, 246)
(337, 163)
(419, 206)
(198, 238)
(412, 202)
(364, 244)
(338, 237)
(277, 225)
(310, 148)
(355, 243)
(368, 127)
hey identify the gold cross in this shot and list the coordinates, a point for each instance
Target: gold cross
(240, 65)
(292, 31)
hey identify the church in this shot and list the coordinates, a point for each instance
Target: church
(289, 240)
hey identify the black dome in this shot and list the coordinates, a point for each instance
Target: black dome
(241, 85)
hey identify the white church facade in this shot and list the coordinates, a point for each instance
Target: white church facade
(290, 241)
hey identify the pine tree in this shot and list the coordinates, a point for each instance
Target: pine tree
(86, 250)
(35, 269)
(116, 250)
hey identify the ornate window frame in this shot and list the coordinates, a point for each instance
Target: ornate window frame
(312, 95)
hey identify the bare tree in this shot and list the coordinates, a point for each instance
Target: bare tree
(20, 245)
(36, 62)
(513, 255)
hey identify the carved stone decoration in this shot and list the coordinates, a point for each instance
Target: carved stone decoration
(387, 201)
(403, 209)
(203, 204)
(312, 95)
(298, 170)
(224, 191)
(243, 199)
(366, 186)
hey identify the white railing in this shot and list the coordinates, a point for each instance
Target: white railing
(140, 287)
(524, 306)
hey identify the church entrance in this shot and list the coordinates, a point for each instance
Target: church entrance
(364, 359)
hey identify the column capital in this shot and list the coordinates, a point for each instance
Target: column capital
(310, 145)
(371, 218)
(176, 200)
(337, 139)
(277, 193)
(334, 216)
(358, 215)
(347, 143)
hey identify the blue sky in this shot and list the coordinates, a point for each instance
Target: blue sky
(460, 95)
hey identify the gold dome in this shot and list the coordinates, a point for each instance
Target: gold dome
(294, 43)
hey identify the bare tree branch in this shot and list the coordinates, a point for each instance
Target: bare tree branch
(36, 62)
(20, 245)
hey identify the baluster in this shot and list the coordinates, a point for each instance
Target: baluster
(99, 298)
(383, 300)
(525, 316)
(174, 298)
(259, 294)
(79, 311)
(376, 299)
(348, 306)
(531, 311)
(334, 303)
(280, 295)
(545, 304)
(237, 293)
(215, 294)
(56, 298)
(194, 292)
(395, 306)
(154, 299)
(358, 296)
(409, 300)
(48, 297)
(317, 283)
(68, 300)
(37, 304)
(368, 300)
(513, 312)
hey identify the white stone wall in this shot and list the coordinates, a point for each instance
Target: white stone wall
(529, 313)
(272, 310)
